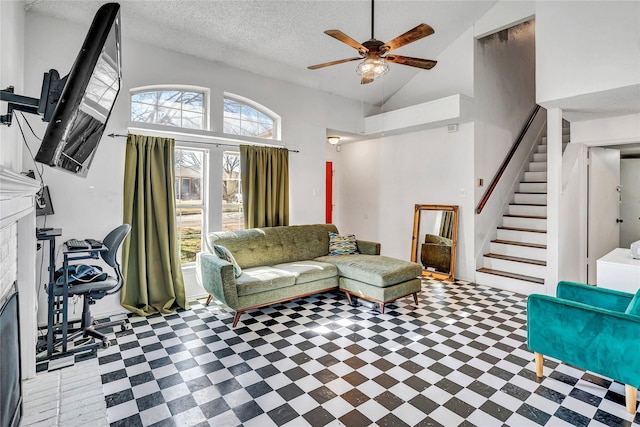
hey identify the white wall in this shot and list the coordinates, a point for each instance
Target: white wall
(572, 241)
(92, 206)
(452, 74)
(584, 47)
(505, 97)
(11, 74)
(609, 130)
(379, 182)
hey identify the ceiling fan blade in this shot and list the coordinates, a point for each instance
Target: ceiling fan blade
(326, 64)
(339, 35)
(422, 30)
(427, 64)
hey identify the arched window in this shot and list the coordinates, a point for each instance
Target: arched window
(246, 118)
(170, 107)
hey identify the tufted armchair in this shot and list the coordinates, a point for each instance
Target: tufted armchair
(592, 328)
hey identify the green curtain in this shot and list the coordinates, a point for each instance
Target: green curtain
(446, 225)
(150, 257)
(265, 186)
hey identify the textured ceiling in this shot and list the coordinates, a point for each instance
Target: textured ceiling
(280, 39)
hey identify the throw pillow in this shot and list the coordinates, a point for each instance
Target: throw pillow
(342, 245)
(634, 305)
(226, 255)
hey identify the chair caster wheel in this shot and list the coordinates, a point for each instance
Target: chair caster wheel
(106, 343)
(123, 328)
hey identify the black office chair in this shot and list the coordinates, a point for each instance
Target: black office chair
(96, 290)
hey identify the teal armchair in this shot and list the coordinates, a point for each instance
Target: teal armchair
(592, 328)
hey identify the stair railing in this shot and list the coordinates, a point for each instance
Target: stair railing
(506, 161)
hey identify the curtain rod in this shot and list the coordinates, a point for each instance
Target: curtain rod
(217, 144)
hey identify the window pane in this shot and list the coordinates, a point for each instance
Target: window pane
(170, 108)
(189, 183)
(188, 171)
(192, 101)
(168, 116)
(142, 113)
(189, 225)
(232, 212)
(249, 113)
(170, 98)
(146, 97)
(243, 119)
(232, 126)
(191, 120)
(231, 107)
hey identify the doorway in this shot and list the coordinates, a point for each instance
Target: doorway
(603, 206)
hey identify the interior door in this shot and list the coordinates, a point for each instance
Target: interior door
(604, 206)
(630, 202)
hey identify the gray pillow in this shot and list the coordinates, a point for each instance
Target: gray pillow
(226, 255)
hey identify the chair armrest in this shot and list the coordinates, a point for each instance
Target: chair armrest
(591, 338)
(604, 298)
(368, 248)
(217, 277)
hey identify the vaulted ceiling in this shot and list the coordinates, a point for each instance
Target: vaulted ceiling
(279, 39)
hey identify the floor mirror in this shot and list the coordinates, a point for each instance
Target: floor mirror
(434, 240)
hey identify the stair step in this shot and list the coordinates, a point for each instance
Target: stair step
(528, 245)
(537, 166)
(515, 264)
(540, 176)
(512, 275)
(539, 157)
(566, 137)
(530, 198)
(522, 235)
(532, 187)
(528, 209)
(517, 259)
(525, 221)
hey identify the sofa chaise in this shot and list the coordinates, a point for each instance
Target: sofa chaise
(277, 264)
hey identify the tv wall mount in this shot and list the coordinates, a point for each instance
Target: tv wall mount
(52, 86)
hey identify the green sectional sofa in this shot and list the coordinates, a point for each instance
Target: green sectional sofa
(283, 263)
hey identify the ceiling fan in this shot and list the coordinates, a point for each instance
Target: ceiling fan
(375, 53)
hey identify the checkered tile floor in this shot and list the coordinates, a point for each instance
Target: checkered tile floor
(460, 358)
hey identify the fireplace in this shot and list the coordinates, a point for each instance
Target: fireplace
(18, 260)
(11, 390)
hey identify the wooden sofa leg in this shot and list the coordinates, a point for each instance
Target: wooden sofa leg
(631, 394)
(415, 297)
(381, 308)
(236, 318)
(208, 300)
(539, 364)
(348, 297)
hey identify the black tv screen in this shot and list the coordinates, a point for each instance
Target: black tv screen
(88, 97)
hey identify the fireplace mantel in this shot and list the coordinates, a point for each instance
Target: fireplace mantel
(17, 207)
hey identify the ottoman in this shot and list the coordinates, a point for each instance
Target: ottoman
(376, 278)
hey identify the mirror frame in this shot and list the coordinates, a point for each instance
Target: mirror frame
(416, 234)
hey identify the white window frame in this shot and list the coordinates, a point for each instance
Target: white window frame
(185, 88)
(260, 108)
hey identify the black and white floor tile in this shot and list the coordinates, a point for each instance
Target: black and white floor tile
(458, 359)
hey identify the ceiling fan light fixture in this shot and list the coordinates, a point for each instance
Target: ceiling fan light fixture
(333, 140)
(372, 68)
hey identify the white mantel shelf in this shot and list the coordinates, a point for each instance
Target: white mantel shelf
(17, 206)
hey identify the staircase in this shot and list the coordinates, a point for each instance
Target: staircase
(517, 257)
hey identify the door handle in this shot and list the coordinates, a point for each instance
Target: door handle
(618, 220)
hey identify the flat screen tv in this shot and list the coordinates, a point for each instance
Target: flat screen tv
(87, 98)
